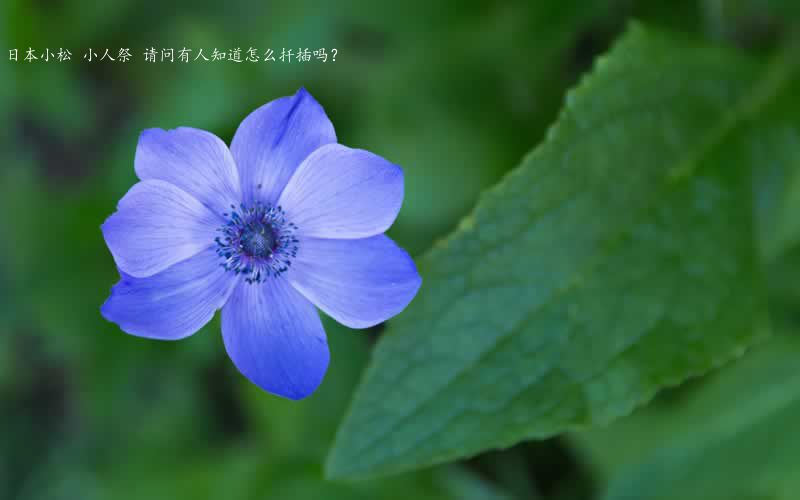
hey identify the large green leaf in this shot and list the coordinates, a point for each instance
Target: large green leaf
(734, 439)
(619, 258)
(774, 146)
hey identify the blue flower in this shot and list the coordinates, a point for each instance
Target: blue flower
(284, 220)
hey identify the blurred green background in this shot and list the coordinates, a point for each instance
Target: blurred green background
(456, 92)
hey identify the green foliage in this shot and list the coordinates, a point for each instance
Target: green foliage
(638, 246)
(595, 274)
(732, 438)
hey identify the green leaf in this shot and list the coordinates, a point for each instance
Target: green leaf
(775, 146)
(734, 439)
(598, 272)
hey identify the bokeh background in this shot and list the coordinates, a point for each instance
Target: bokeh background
(454, 91)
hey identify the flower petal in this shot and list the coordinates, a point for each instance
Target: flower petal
(274, 140)
(157, 225)
(339, 192)
(275, 338)
(194, 160)
(359, 283)
(174, 303)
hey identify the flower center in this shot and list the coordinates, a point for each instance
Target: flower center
(257, 242)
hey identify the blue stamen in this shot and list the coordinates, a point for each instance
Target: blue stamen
(258, 243)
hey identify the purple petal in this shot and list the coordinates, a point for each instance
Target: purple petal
(194, 160)
(157, 225)
(274, 140)
(339, 192)
(275, 338)
(174, 303)
(359, 283)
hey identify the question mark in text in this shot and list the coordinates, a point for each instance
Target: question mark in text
(334, 54)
